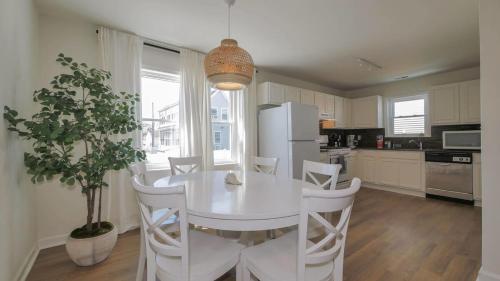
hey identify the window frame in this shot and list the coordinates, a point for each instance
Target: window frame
(390, 116)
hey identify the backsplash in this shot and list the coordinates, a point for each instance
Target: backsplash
(369, 136)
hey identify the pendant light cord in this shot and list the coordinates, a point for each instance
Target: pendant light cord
(228, 20)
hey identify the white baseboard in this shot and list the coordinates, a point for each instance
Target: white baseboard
(487, 276)
(395, 189)
(52, 241)
(25, 268)
(58, 240)
(478, 203)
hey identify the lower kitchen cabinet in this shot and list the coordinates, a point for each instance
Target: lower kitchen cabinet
(410, 174)
(399, 169)
(476, 176)
(387, 172)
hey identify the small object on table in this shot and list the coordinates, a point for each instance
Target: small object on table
(232, 179)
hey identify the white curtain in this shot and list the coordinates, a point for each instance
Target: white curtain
(244, 131)
(195, 126)
(121, 54)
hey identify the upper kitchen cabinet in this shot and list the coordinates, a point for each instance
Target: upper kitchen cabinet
(307, 97)
(271, 93)
(457, 103)
(342, 112)
(470, 108)
(325, 104)
(292, 94)
(367, 112)
(445, 105)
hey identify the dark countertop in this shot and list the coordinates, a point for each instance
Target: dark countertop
(392, 149)
(410, 149)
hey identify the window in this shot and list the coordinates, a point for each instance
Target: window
(407, 116)
(160, 116)
(217, 136)
(213, 111)
(223, 114)
(221, 126)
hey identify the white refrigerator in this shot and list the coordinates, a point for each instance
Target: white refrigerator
(289, 132)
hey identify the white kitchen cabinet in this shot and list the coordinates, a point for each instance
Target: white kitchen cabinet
(270, 93)
(445, 105)
(320, 102)
(397, 169)
(410, 174)
(342, 112)
(387, 172)
(476, 176)
(325, 104)
(470, 108)
(330, 105)
(307, 97)
(367, 112)
(368, 168)
(292, 94)
(457, 103)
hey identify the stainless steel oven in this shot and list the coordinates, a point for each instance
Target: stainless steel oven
(449, 174)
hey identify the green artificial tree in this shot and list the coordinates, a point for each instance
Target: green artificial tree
(79, 134)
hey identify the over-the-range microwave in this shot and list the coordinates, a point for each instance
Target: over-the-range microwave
(462, 139)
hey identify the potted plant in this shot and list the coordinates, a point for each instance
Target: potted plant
(78, 135)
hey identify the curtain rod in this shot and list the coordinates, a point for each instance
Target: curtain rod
(154, 45)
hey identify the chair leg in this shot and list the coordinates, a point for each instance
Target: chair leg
(151, 265)
(245, 273)
(338, 266)
(239, 271)
(142, 259)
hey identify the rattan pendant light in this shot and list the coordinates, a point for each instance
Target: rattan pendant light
(228, 66)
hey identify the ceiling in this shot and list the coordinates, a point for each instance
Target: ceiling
(313, 40)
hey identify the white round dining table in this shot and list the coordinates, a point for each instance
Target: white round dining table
(261, 202)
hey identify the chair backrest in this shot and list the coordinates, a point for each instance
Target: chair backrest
(161, 243)
(185, 165)
(310, 170)
(138, 169)
(325, 201)
(265, 165)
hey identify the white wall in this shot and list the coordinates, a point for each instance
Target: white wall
(18, 45)
(60, 209)
(416, 85)
(264, 76)
(489, 22)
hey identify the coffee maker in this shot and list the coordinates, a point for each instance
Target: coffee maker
(351, 141)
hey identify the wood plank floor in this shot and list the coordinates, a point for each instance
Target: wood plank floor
(390, 237)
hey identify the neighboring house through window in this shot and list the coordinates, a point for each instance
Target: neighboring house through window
(221, 126)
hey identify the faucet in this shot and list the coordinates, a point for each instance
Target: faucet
(419, 144)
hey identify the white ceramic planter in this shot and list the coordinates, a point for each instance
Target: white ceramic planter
(90, 251)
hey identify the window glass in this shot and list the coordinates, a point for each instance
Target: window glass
(160, 116)
(221, 126)
(407, 116)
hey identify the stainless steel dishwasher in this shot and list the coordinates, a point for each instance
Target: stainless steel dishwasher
(449, 174)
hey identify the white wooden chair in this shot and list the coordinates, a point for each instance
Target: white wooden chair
(185, 165)
(328, 172)
(267, 165)
(324, 176)
(171, 225)
(293, 257)
(194, 255)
